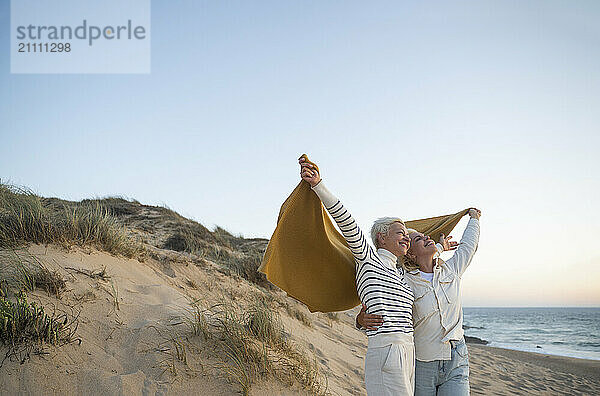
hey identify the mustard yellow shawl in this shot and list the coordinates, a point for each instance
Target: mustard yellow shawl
(309, 259)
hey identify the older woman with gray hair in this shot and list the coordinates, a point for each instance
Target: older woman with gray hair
(442, 360)
(381, 286)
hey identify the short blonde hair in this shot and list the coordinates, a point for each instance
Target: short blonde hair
(382, 226)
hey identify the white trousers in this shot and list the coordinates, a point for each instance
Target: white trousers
(390, 370)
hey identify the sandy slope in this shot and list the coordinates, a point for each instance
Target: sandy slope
(121, 347)
(131, 349)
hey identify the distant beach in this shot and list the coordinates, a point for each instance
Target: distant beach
(500, 371)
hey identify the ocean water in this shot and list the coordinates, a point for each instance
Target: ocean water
(573, 332)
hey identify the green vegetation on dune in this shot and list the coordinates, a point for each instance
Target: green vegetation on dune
(25, 326)
(26, 217)
(191, 238)
(24, 322)
(254, 344)
(109, 224)
(250, 342)
(237, 255)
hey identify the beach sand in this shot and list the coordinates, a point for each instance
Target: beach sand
(507, 372)
(132, 348)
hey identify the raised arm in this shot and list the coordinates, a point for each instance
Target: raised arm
(468, 244)
(352, 234)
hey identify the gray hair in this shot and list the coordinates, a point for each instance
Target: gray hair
(382, 226)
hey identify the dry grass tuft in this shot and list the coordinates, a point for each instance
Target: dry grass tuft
(220, 247)
(266, 326)
(225, 238)
(175, 352)
(298, 314)
(50, 281)
(247, 268)
(21, 271)
(188, 237)
(25, 217)
(333, 316)
(116, 206)
(254, 345)
(100, 274)
(198, 324)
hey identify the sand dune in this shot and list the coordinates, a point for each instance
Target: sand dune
(131, 348)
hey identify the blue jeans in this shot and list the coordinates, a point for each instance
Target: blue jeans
(444, 377)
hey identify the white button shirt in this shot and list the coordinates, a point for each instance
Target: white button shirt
(437, 310)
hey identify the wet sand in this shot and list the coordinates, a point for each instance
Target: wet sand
(501, 371)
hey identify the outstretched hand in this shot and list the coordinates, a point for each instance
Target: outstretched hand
(309, 173)
(447, 243)
(475, 213)
(371, 322)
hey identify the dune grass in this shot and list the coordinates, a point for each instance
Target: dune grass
(25, 217)
(253, 345)
(221, 249)
(247, 268)
(332, 316)
(22, 271)
(116, 206)
(25, 327)
(296, 313)
(22, 321)
(188, 237)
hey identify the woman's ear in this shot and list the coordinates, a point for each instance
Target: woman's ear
(380, 239)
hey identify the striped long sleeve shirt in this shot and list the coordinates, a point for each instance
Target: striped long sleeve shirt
(380, 285)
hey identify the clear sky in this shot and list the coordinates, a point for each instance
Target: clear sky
(411, 109)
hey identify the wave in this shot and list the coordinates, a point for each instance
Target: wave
(589, 344)
(473, 327)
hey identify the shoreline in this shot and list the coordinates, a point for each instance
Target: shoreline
(541, 353)
(479, 341)
(588, 368)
